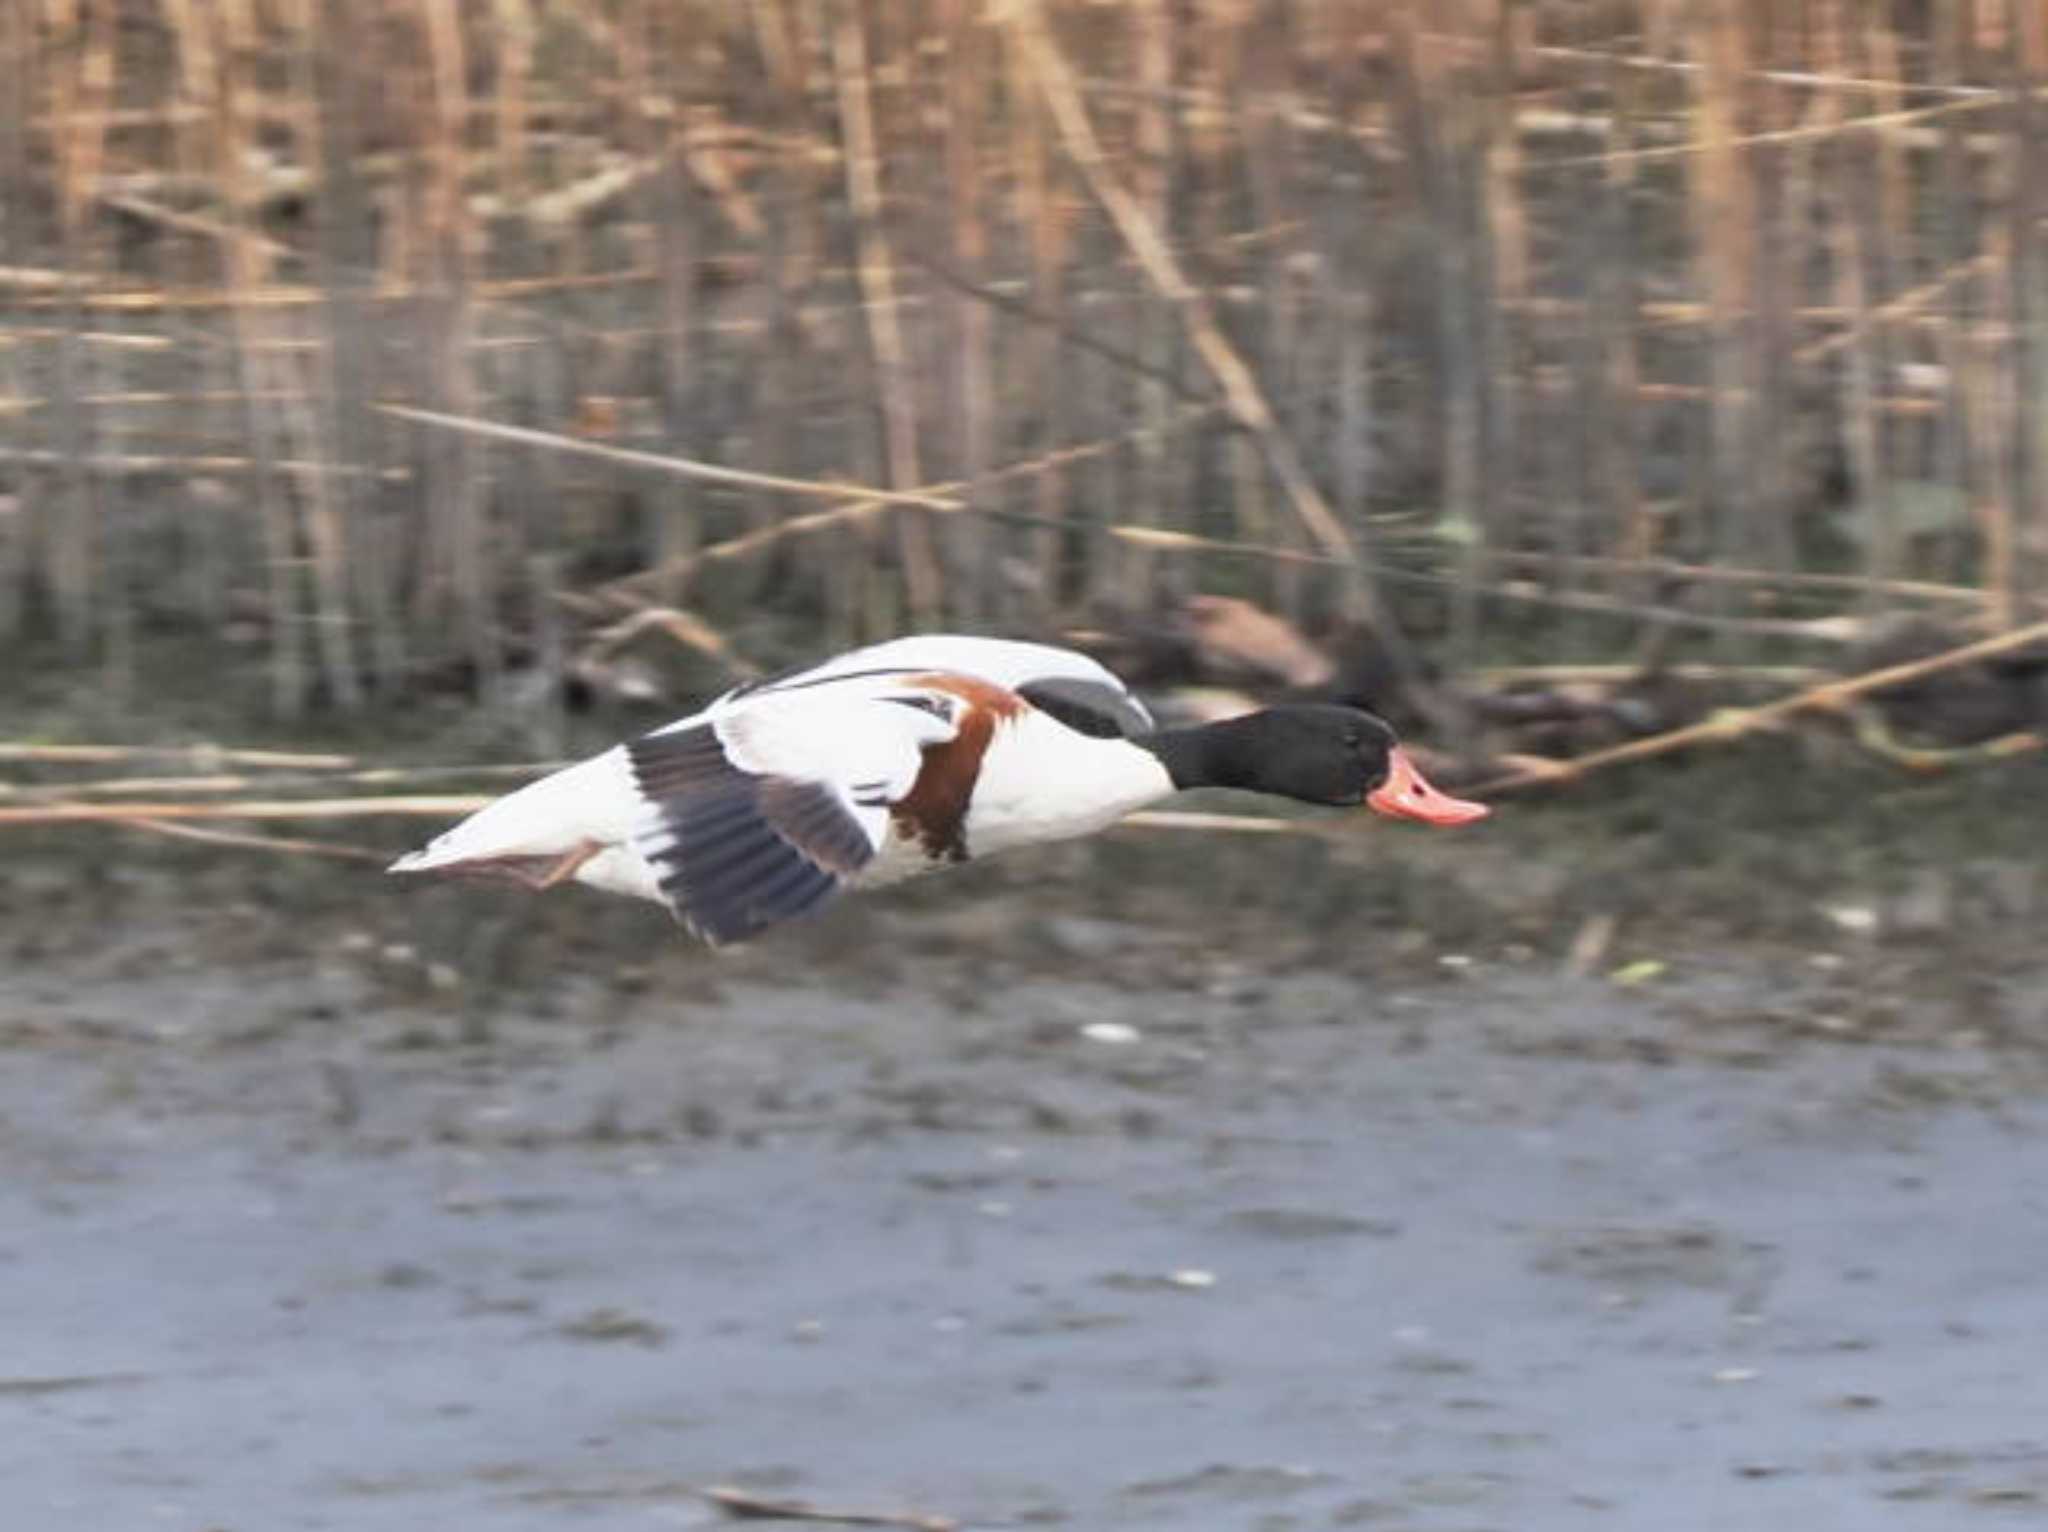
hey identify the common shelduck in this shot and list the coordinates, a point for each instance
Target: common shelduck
(893, 760)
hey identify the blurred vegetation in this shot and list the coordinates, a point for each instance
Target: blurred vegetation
(1524, 327)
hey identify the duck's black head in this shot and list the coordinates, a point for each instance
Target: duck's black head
(1313, 752)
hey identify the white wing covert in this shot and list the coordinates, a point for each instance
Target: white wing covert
(1070, 686)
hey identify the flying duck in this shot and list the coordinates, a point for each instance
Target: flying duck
(897, 759)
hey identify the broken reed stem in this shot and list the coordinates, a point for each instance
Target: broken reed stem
(1652, 568)
(290, 845)
(680, 467)
(1734, 724)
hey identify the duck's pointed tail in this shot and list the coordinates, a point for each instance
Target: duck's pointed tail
(586, 805)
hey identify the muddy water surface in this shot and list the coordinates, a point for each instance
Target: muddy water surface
(319, 1241)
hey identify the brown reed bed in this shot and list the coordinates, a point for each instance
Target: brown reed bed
(409, 335)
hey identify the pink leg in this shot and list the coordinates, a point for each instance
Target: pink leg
(534, 872)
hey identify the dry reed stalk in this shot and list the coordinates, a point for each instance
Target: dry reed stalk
(967, 82)
(1955, 245)
(1351, 447)
(344, 368)
(1734, 724)
(1169, 539)
(777, 364)
(1667, 314)
(779, 45)
(1501, 242)
(514, 31)
(892, 368)
(1852, 219)
(395, 807)
(685, 627)
(455, 480)
(16, 279)
(1152, 27)
(1775, 254)
(1996, 408)
(69, 530)
(117, 573)
(1724, 209)
(1873, 122)
(1994, 417)
(1073, 335)
(324, 519)
(1241, 391)
(27, 336)
(1502, 171)
(151, 464)
(218, 783)
(1880, 52)
(2029, 64)
(1040, 216)
(773, 369)
(680, 342)
(856, 543)
(1910, 305)
(1608, 675)
(1547, 382)
(290, 845)
(324, 501)
(18, 58)
(85, 32)
(202, 757)
(1730, 574)
(655, 462)
(547, 719)
(16, 519)
(1823, 630)
(1816, 79)
(225, 48)
(22, 404)
(1437, 154)
(145, 211)
(1878, 199)
(1616, 303)
(14, 566)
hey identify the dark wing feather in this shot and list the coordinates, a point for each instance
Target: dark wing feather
(1089, 707)
(734, 851)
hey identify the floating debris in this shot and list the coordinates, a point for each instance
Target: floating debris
(1119, 1033)
(1858, 919)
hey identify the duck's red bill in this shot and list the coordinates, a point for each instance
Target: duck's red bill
(1406, 794)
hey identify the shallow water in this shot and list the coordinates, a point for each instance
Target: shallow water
(1494, 1250)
